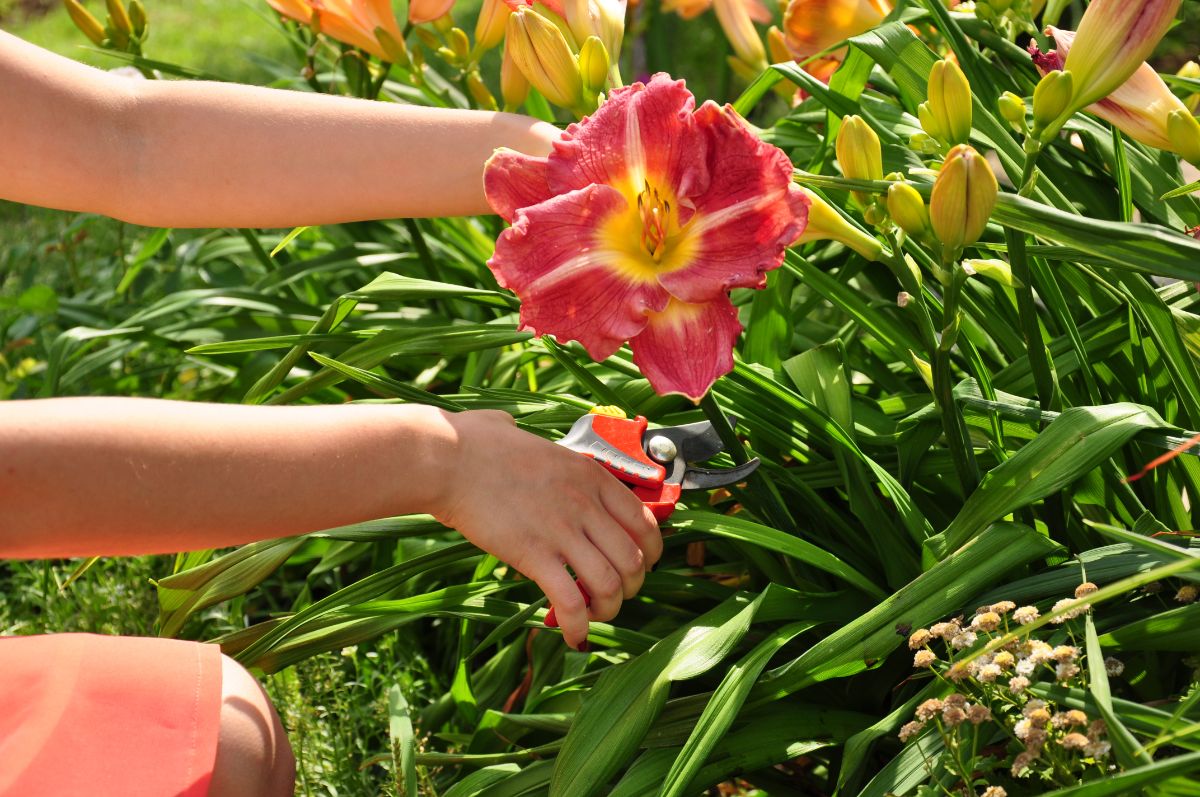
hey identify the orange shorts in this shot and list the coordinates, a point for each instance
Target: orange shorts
(82, 714)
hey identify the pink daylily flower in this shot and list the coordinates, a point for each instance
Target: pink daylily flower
(638, 224)
(1139, 107)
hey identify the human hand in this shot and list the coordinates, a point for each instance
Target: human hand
(539, 507)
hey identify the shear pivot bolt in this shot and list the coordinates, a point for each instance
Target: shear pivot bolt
(662, 448)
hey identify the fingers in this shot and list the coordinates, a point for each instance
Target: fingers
(635, 517)
(618, 548)
(568, 602)
(597, 575)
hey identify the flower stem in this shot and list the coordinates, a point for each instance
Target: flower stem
(955, 428)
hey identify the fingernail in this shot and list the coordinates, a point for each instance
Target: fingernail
(551, 620)
(584, 646)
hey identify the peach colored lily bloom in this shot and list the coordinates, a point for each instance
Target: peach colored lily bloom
(637, 226)
(690, 9)
(352, 22)
(811, 26)
(1139, 107)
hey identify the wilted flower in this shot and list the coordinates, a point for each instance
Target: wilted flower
(910, 730)
(1074, 741)
(1097, 749)
(929, 709)
(1018, 684)
(638, 224)
(1114, 667)
(978, 714)
(1085, 589)
(989, 673)
(953, 716)
(1025, 615)
(955, 699)
(957, 672)
(1004, 660)
(1140, 107)
(1064, 654)
(1039, 651)
(1003, 607)
(1187, 594)
(354, 22)
(1063, 672)
(1022, 762)
(963, 640)
(994, 791)
(1038, 717)
(1022, 729)
(945, 630)
(1079, 608)
(919, 639)
(988, 621)
(924, 658)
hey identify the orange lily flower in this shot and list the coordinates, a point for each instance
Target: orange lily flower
(352, 22)
(690, 9)
(811, 26)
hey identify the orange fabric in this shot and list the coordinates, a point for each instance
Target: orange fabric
(82, 714)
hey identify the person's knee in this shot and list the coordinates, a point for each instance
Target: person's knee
(253, 754)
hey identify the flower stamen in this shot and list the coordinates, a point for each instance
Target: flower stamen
(656, 219)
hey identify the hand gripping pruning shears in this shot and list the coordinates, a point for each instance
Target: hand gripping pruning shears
(655, 463)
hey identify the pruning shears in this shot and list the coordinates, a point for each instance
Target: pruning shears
(655, 463)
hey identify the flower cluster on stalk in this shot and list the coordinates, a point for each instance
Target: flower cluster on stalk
(998, 714)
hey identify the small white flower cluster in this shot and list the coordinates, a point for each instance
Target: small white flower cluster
(1003, 679)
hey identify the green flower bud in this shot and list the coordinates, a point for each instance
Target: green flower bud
(137, 17)
(393, 48)
(826, 224)
(593, 66)
(118, 16)
(514, 87)
(543, 55)
(962, 200)
(1012, 108)
(995, 270)
(907, 208)
(481, 93)
(1051, 99)
(489, 28)
(950, 102)
(1184, 132)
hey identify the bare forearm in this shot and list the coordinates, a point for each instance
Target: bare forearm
(83, 477)
(214, 155)
(199, 154)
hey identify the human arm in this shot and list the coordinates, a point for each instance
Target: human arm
(176, 153)
(110, 476)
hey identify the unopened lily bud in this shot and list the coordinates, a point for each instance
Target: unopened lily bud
(480, 92)
(929, 122)
(489, 28)
(734, 16)
(1191, 70)
(1012, 108)
(83, 20)
(514, 87)
(1184, 133)
(428, 38)
(1113, 39)
(593, 66)
(903, 298)
(826, 224)
(923, 143)
(393, 48)
(962, 200)
(137, 17)
(858, 150)
(541, 52)
(950, 102)
(604, 19)
(1051, 100)
(995, 270)
(460, 45)
(118, 16)
(907, 208)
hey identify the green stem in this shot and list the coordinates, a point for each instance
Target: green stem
(953, 424)
(1040, 364)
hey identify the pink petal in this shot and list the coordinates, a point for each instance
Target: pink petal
(746, 219)
(684, 348)
(513, 180)
(570, 285)
(641, 132)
